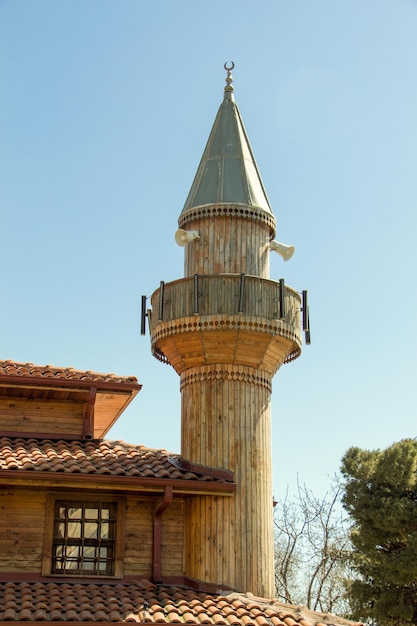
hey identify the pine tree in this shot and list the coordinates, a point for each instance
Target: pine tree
(381, 497)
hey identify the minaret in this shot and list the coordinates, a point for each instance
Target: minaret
(226, 328)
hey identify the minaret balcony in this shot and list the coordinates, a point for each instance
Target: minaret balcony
(225, 318)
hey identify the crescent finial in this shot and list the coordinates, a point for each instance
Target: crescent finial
(228, 66)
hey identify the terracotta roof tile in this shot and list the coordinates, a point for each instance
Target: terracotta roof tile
(204, 618)
(146, 602)
(12, 368)
(289, 621)
(93, 457)
(247, 621)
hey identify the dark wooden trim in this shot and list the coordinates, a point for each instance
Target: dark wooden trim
(127, 483)
(48, 534)
(182, 581)
(88, 423)
(157, 533)
(200, 585)
(34, 577)
(62, 623)
(9, 380)
(222, 474)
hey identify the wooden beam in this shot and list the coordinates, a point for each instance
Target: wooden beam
(157, 530)
(88, 425)
(42, 479)
(8, 380)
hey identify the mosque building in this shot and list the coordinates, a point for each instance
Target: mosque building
(95, 530)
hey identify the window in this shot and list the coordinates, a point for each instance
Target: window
(86, 537)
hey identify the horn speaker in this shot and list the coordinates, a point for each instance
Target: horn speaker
(183, 237)
(283, 250)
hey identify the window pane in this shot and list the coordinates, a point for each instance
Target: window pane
(91, 513)
(89, 552)
(74, 529)
(75, 513)
(105, 513)
(104, 530)
(91, 530)
(103, 553)
(72, 552)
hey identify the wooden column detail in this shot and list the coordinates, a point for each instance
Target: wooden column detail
(229, 243)
(157, 534)
(226, 328)
(88, 425)
(226, 424)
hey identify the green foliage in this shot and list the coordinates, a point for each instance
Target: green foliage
(381, 497)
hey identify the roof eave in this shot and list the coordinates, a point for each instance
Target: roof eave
(44, 382)
(127, 484)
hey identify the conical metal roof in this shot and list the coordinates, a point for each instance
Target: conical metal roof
(228, 173)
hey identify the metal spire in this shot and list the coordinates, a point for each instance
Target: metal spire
(228, 173)
(229, 89)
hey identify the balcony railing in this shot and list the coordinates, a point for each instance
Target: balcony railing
(225, 294)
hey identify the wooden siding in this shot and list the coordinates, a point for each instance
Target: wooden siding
(226, 424)
(228, 244)
(172, 547)
(220, 294)
(22, 520)
(31, 415)
(24, 543)
(139, 538)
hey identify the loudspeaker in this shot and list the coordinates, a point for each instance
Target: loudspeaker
(285, 251)
(183, 237)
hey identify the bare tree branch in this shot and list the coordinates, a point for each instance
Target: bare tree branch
(312, 550)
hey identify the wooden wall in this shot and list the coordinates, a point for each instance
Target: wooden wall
(228, 244)
(139, 538)
(32, 415)
(22, 523)
(22, 520)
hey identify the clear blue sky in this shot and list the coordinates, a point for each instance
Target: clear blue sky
(106, 106)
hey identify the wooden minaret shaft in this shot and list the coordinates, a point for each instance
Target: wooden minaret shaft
(226, 350)
(226, 328)
(228, 244)
(226, 423)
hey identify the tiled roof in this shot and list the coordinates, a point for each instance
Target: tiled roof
(115, 458)
(11, 368)
(146, 602)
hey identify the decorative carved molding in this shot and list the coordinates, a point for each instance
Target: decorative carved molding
(228, 210)
(244, 374)
(226, 323)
